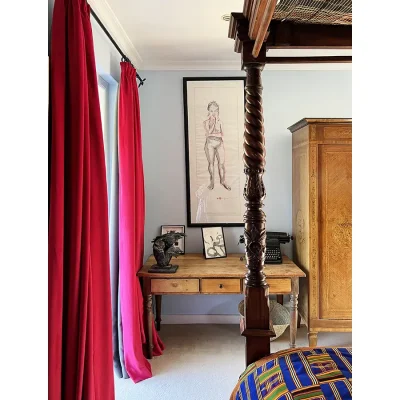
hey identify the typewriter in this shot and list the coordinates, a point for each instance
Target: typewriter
(273, 254)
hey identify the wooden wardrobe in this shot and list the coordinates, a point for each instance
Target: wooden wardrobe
(322, 226)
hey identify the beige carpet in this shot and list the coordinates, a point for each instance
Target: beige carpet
(203, 362)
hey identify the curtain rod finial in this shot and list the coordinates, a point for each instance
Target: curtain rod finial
(141, 81)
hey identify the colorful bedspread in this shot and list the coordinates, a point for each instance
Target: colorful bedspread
(320, 373)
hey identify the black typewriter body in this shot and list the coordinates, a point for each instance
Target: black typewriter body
(273, 254)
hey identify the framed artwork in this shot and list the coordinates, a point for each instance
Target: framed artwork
(214, 127)
(175, 228)
(213, 242)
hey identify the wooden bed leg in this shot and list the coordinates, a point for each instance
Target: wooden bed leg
(256, 348)
(312, 339)
(257, 328)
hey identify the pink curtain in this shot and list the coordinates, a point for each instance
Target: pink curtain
(80, 343)
(131, 228)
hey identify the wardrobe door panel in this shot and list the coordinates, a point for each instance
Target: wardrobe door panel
(335, 231)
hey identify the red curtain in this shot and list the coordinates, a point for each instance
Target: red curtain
(80, 343)
(131, 227)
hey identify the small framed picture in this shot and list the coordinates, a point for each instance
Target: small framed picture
(213, 242)
(178, 229)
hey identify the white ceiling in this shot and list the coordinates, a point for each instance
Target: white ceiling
(184, 34)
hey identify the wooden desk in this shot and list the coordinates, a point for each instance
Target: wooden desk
(196, 275)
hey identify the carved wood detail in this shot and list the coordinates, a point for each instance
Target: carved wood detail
(254, 191)
(257, 329)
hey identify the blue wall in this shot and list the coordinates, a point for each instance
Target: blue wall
(288, 97)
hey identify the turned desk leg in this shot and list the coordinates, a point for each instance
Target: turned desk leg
(158, 311)
(293, 311)
(298, 320)
(148, 311)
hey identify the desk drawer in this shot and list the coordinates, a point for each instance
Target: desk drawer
(279, 286)
(220, 286)
(175, 286)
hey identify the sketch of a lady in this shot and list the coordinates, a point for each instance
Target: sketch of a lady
(214, 146)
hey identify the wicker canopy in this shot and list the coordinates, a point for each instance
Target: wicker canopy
(330, 12)
(293, 24)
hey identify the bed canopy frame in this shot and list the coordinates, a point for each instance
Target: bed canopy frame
(264, 25)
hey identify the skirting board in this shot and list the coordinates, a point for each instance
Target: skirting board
(183, 319)
(200, 319)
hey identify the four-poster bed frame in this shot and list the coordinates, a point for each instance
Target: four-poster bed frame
(265, 25)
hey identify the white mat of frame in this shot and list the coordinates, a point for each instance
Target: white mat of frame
(203, 362)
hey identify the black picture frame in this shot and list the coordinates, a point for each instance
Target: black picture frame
(205, 251)
(175, 226)
(190, 222)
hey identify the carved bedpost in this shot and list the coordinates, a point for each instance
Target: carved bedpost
(256, 325)
(255, 30)
(256, 301)
(254, 163)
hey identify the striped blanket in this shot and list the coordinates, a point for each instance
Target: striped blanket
(298, 374)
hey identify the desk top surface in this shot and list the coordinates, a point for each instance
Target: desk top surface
(196, 266)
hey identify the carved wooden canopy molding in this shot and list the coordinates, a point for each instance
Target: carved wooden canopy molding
(314, 11)
(292, 24)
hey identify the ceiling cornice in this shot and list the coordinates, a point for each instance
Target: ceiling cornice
(111, 22)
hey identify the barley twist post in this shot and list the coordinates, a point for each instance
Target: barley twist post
(254, 192)
(256, 302)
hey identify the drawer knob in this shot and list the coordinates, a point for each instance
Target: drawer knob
(221, 285)
(174, 284)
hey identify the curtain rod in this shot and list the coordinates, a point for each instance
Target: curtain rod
(124, 57)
